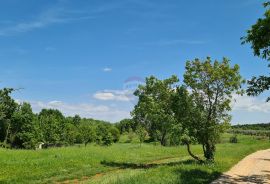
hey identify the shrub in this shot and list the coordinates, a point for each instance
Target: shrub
(233, 139)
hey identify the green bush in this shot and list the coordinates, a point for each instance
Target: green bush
(233, 139)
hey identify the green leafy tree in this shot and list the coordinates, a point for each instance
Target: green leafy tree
(212, 84)
(87, 133)
(7, 108)
(259, 38)
(115, 134)
(71, 132)
(104, 136)
(107, 139)
(125, 125)
(24, 129)
(142, 133)
(76, 120)
(153, 110)
(52, 124)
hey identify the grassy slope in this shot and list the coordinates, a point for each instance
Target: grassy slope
(48, 166)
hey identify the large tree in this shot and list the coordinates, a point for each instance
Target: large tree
(259, 38)
(212, 84)
(153, 110)
(7, 108)
(25, 132)
(52, 124)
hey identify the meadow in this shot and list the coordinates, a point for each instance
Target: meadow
(122, 163)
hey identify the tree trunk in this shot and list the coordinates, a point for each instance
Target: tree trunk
(163, 139)
(209, 151)
(204, 151)
(7, 134)
(191, 154)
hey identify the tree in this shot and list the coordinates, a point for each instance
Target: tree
(24, 129)
(104, 136)
(142, 133)
(52, 124)
(212, 85)
(259, 38)
(153, 110)
(76, 120)
(107, 140)
(87, 132)
(125, 125)
(7, 109)
(115, 134)
(71, 133)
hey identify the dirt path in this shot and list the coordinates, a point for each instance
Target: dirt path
(255, 168)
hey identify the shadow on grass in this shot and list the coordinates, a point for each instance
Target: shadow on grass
(195, 176)
(124, 165)
(184, 175)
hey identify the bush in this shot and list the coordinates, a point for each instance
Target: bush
(107, 139)
(115, 134)
(234, 139)
(131, 136)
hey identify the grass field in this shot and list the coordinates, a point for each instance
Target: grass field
(121, 163)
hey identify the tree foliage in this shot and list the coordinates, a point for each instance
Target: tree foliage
(259, 38)
(154, 110)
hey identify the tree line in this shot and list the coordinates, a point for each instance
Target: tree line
(256, 126)
(21, 128)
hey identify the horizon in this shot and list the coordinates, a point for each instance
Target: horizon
(86, 58)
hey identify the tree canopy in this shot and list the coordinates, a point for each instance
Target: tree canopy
(259, 38)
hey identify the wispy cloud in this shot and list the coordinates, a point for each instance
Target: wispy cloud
(107, 69)
(51, 16)
(101, 112)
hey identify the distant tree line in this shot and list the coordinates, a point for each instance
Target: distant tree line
(257, 126)
(21, 128)
(258, 129)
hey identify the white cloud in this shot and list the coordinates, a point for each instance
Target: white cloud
(101, 112)
(250, 104)
(113, 95)
(107, 69)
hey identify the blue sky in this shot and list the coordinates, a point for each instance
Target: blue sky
(77, 55)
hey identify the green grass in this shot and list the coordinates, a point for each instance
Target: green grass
(122, 163)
